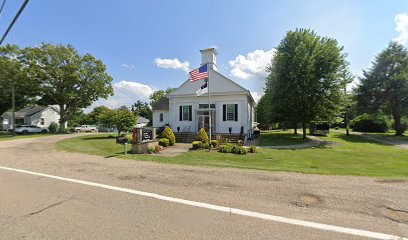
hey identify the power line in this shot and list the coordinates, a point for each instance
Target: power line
(14, 20)
(2, 6)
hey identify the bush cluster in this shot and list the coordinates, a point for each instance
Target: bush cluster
(214, 143)
(129, 138)
(252, 149)
(202, 136)
(200, 145)
(168, 133)
(53, 128)
(225, 148)
(164, 142)
(369, 123)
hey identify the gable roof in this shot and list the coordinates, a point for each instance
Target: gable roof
(28, 111)
(162, 104)
(219, 85)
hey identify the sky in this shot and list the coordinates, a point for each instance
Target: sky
(151, 45)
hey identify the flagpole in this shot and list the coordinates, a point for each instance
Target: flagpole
(209, 106)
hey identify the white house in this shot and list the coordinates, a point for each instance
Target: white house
(40, 116)
(232, 106)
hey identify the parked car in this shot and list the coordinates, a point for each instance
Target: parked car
(85, 128)
(26, 129)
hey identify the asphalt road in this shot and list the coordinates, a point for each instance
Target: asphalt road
(40, 207)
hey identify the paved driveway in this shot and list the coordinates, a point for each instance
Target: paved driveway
(35, 206)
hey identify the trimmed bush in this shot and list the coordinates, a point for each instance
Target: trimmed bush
(252, 149)
(164, 142)
(197, 145)
(205, 145)
(239, 150)
(225, 148)
(53, 128)
(202, 136)
(168, 133)
(214, 143)
(369, 123)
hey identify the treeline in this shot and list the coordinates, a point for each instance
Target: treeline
(307, 82)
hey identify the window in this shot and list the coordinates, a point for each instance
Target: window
(42, 121)
(161, 117)
(230, 112)
(186, 113)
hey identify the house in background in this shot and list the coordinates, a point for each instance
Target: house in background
(232, 106)
(40, 116)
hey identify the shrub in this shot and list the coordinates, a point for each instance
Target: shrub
(369, 123)
(205, 145)
(252, 149)
(168, 133)
(240, 150)
(214, 143)
(129, 138)
(225, 148)
(151, 150)
(164, 142)
(157, 148)
(202, 136)
(53, 128)
(197, 145)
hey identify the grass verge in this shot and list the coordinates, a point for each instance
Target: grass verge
(346, 155)
(280, 138)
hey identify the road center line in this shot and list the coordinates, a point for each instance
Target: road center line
(308, 224)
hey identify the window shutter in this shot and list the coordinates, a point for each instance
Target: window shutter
(190, 113)
(224, 112)
(181, 113)
(236, 112)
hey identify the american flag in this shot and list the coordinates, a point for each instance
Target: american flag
(199, 73)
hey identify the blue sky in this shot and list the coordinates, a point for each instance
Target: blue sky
(150, 45)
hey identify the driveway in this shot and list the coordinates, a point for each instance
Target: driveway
(47, 194)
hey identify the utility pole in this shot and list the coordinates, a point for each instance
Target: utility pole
(346, 120)
(13, 105)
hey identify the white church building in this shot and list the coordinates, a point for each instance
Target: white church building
(232, 106)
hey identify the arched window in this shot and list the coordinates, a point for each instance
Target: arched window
(161, 117)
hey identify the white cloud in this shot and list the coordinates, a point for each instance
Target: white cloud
(256, 96)
(128, 66)
(126, 93)
(253, 65)
(172, 63)
(401, 22)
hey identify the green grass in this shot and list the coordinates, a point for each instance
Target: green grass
(391, 134)
(351, 155)
(4, 137)
(280, 138)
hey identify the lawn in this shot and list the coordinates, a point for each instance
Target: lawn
(352, 155)
(391, 134)
(280, 138)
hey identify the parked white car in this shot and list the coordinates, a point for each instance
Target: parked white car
(26, 129)
(86, 128)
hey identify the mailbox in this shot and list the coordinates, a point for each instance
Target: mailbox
(121, 140)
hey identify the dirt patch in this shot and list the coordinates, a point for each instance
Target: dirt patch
(308, 200)
(391, 181)
(395, 214)
(131, 177)
(269, 179)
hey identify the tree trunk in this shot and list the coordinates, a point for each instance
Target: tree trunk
(304, 130)
(346, 121)
(61, 120)
(397, 124)
(295, 131)
(118, 133)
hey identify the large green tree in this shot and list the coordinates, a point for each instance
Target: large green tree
(14, 76)
(67, 79)
(385, 85)
(122, 118)
(304, 82)
(142, 109)
(158, 94)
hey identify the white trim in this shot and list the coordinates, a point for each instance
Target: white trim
(269, 217)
